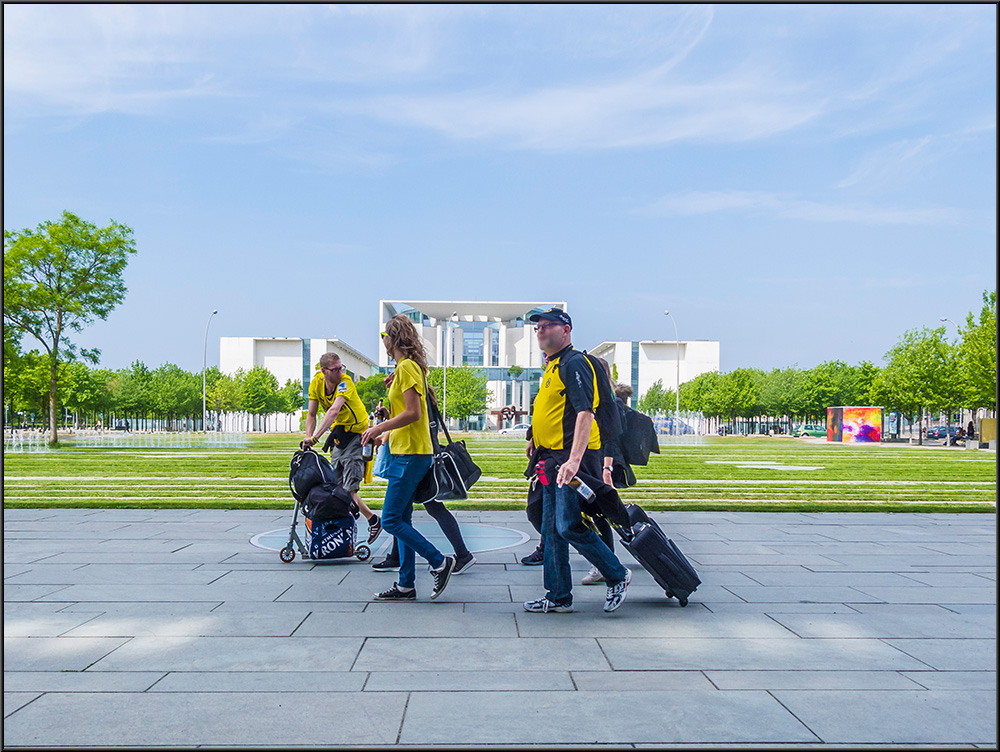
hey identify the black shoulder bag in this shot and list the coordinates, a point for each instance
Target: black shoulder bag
(452, 470)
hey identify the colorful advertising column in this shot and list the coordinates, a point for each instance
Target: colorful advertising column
(854, 424)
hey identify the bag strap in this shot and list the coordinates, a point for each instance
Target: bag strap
(434, 420)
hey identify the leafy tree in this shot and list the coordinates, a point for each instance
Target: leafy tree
(260, 392)
(371, 390)
(783, 392)
(916, 371)
(830, 384)
(57, 279)
(174, 392)
(977, 356)
(657, 399)
(515, 371)
(26, 386)
(289, 397)
(467, 393)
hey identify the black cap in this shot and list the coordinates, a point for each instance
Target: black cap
(553, 314)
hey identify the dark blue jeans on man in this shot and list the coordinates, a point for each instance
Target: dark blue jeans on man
(562, 524)
(405, 471)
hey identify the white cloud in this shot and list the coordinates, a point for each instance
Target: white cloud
(692, 203)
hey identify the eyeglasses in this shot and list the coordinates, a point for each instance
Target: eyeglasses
(335, 368)
(543, 327)
(383, 334)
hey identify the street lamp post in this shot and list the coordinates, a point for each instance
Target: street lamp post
(447, 351)
(677, 348)
(204, 361)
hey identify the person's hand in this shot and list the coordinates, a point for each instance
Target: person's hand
(382, 412)
(370, 434)
(566, 472)
(388, 379)
(529, 449)
(308, 442)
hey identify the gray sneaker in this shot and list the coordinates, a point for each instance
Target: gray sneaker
(544, 605)
(616, 593)
(592, 577)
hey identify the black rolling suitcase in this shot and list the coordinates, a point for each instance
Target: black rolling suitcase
(659, 556)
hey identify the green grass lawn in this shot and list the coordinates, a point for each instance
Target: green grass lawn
(743, 474)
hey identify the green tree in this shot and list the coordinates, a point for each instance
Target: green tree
(977, 356)
(175, 392)
(830, 384)
(515, 371)
(59, 278)
(783, 392)
(657, 399)
(916, 372)
(467, 393)
(260, 394)
(371, 390)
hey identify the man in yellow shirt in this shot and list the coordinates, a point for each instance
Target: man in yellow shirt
(564, 434)
(345, 413)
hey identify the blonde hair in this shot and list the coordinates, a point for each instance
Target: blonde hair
(326, 360)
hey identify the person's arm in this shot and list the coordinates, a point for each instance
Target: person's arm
(310, 423)
(331, 415)
(609, 463)
(581, 437)
(411, 414)
(530, 448)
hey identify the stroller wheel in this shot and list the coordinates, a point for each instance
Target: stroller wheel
(363, 552)
(287, 554)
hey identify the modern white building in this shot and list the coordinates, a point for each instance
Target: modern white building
(640, 363)
(290, 357)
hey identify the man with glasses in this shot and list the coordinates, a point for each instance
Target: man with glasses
(564, 433)
(333, 390)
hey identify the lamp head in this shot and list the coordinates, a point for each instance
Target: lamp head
(666, 313)
(214, 312)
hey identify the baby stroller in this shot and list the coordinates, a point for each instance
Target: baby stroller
(328, 510)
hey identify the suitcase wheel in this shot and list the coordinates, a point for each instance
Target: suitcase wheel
(287, 554)
(363, 552)
(682, 601)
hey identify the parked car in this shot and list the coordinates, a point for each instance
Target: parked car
(665, 425)
(938, 432)
(810, 429)
(520, 429)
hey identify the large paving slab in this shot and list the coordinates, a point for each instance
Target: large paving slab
(148, 628)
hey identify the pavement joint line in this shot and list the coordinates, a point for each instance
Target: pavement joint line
(789, 711)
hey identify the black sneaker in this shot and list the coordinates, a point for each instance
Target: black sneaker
(462, 565)
(441, 576)
(386, 565)
(395, 594)
(535, 558)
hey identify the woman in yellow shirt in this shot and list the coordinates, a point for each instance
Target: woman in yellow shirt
(411, 451)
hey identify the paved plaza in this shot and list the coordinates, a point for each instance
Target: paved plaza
(176, 628)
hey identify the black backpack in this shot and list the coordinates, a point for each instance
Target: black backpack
(327, 502)
(639, 437)
(609, 418)
(307, 470)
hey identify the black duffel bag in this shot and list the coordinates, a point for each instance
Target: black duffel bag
(327, 502)
(307, 470)
(452, 470)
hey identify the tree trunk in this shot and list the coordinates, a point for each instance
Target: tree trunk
(920, 426)
(53, 382)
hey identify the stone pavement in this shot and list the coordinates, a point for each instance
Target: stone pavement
(168, 628)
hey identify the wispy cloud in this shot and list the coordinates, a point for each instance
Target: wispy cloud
(775, 205)
(905, 159)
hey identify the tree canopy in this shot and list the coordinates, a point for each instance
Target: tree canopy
(58, 278)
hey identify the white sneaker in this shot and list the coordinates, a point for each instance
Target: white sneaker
(592, 577)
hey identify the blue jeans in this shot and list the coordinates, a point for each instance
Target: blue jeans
(405, 471)
(562, 525)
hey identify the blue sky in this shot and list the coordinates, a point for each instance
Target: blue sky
(801, 183)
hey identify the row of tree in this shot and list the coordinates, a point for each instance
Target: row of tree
(169, 396)
(923, 371)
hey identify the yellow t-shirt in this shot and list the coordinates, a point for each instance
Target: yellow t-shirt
(416, 437)
(352, 416)
(553, 416)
